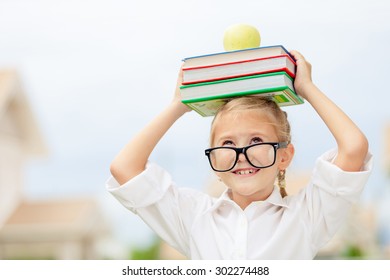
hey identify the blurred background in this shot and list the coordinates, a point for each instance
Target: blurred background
(79, 78)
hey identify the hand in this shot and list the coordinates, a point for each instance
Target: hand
(177, 97)
(303, 75)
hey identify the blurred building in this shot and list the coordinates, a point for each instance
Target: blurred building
(49, 229)
(387, 150)
(20, 140)
(53, 229)
(384, 207)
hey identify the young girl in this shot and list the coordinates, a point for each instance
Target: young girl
(250, 149)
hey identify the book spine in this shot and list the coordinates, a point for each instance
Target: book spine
(285, 69)
(235, 94)
(234, 79)
(210, 107)
(236, 51)
(238, 62)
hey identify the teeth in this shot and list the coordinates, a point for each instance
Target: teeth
(245, 172)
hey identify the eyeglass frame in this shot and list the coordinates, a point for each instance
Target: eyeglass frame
(242, 150)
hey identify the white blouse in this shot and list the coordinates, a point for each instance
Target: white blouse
(203, 227)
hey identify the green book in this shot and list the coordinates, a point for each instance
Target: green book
(207, 98)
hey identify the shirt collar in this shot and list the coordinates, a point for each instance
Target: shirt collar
(275, 199)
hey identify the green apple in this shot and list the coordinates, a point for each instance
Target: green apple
(241, 36)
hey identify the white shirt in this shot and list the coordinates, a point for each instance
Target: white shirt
(202, 227)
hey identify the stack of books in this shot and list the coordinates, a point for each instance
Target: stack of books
(211, 80)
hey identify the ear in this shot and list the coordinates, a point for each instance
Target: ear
(286, 156)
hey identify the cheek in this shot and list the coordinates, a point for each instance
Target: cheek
(270, 154)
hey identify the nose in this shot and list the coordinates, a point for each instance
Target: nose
(241, 157)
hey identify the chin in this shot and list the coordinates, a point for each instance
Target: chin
(246, 191)
(249, 189)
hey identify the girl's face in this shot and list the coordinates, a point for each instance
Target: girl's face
(239, 129)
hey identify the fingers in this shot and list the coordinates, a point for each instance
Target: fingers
(297, 55)
(180, 75)
(300, 59)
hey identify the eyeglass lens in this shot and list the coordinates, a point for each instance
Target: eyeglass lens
(259, 156)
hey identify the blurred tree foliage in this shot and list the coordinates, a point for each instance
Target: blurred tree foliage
(151, 252)
(353, 251)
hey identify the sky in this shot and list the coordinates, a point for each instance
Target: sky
(95, 72)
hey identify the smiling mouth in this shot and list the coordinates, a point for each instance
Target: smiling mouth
(246, 171)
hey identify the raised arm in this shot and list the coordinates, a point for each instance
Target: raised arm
(132, 159)
(352, 143)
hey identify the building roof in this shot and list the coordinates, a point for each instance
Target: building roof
(52, 220)
(14, 102)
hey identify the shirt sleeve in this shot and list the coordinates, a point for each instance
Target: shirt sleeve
(169, 211)
(141, 190)
(331, 193)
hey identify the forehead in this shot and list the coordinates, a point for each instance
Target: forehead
(245, 114)
(243, 121)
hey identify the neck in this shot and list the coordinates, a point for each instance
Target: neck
(244, 200)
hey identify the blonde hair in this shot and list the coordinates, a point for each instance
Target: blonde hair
(263, 105)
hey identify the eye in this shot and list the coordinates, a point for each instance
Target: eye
(256, 140)
(227, 143)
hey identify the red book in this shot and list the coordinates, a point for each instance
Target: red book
(238, 68)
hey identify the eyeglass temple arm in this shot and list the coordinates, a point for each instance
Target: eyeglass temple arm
(282, 144)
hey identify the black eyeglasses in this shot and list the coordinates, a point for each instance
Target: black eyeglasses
(261, 155)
